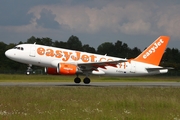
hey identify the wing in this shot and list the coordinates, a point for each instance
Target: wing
(94, 65)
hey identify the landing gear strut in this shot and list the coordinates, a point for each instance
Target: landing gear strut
(29, 69)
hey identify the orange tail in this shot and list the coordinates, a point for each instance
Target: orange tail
(154, 52)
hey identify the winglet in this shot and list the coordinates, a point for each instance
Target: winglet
(154, 52)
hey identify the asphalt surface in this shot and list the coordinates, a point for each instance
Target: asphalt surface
(95, 84)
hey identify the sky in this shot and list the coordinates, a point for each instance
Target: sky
(135, 22)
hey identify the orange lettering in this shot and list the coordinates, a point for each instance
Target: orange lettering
(85, 58)
(92, 58)
(58, 54)
(124, 65)
(110, 59)
(50, 52)
(77, 56)
(102, 59)
(67, 55)
(120, 65)
(41, 51)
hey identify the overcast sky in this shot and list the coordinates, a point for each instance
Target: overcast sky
(135, 22)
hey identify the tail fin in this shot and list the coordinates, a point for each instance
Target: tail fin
(154, 52)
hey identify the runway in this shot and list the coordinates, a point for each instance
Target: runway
(92, 84)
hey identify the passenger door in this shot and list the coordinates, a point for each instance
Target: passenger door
(32, 50)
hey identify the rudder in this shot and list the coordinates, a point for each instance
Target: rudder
(154, 52)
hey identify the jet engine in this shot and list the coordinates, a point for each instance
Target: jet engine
(51, 71)
(62, 68)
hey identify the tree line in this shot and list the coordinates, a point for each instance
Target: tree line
(171, 56)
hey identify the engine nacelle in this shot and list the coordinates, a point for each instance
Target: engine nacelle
(62, 68)
(66, 69)
(51, 71)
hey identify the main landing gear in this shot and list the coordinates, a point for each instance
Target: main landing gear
(86, 80)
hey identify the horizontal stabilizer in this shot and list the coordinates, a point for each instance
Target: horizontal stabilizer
(155, 69)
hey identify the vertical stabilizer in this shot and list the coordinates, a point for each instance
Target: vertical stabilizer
(154, 52)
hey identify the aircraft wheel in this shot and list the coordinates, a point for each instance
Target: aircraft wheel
(27, 73)
(77, 80)
(86, 80)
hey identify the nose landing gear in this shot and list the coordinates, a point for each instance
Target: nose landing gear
(29, 69)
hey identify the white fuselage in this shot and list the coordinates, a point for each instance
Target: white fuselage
(46, 56)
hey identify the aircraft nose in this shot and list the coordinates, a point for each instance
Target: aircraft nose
(8, 53)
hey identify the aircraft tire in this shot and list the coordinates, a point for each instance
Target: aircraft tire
(86, 80)
(77, 80)
(27, 73)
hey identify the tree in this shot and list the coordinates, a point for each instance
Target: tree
(106, 48)
(42, 41)
(171, 58)
(32, 39)
(126, 51)
(2, 56)
(60, 44)
(122, 50)
(87, 48)
(74, 43)
(176, 55)
(135, 52)
(118, 49)
(47, 41)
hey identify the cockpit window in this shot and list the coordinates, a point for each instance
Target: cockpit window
(19, 48)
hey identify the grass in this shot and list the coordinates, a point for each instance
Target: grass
(95, 103)
(62, 78)
(88, 102)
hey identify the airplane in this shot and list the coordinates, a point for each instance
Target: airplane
(59, 61)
